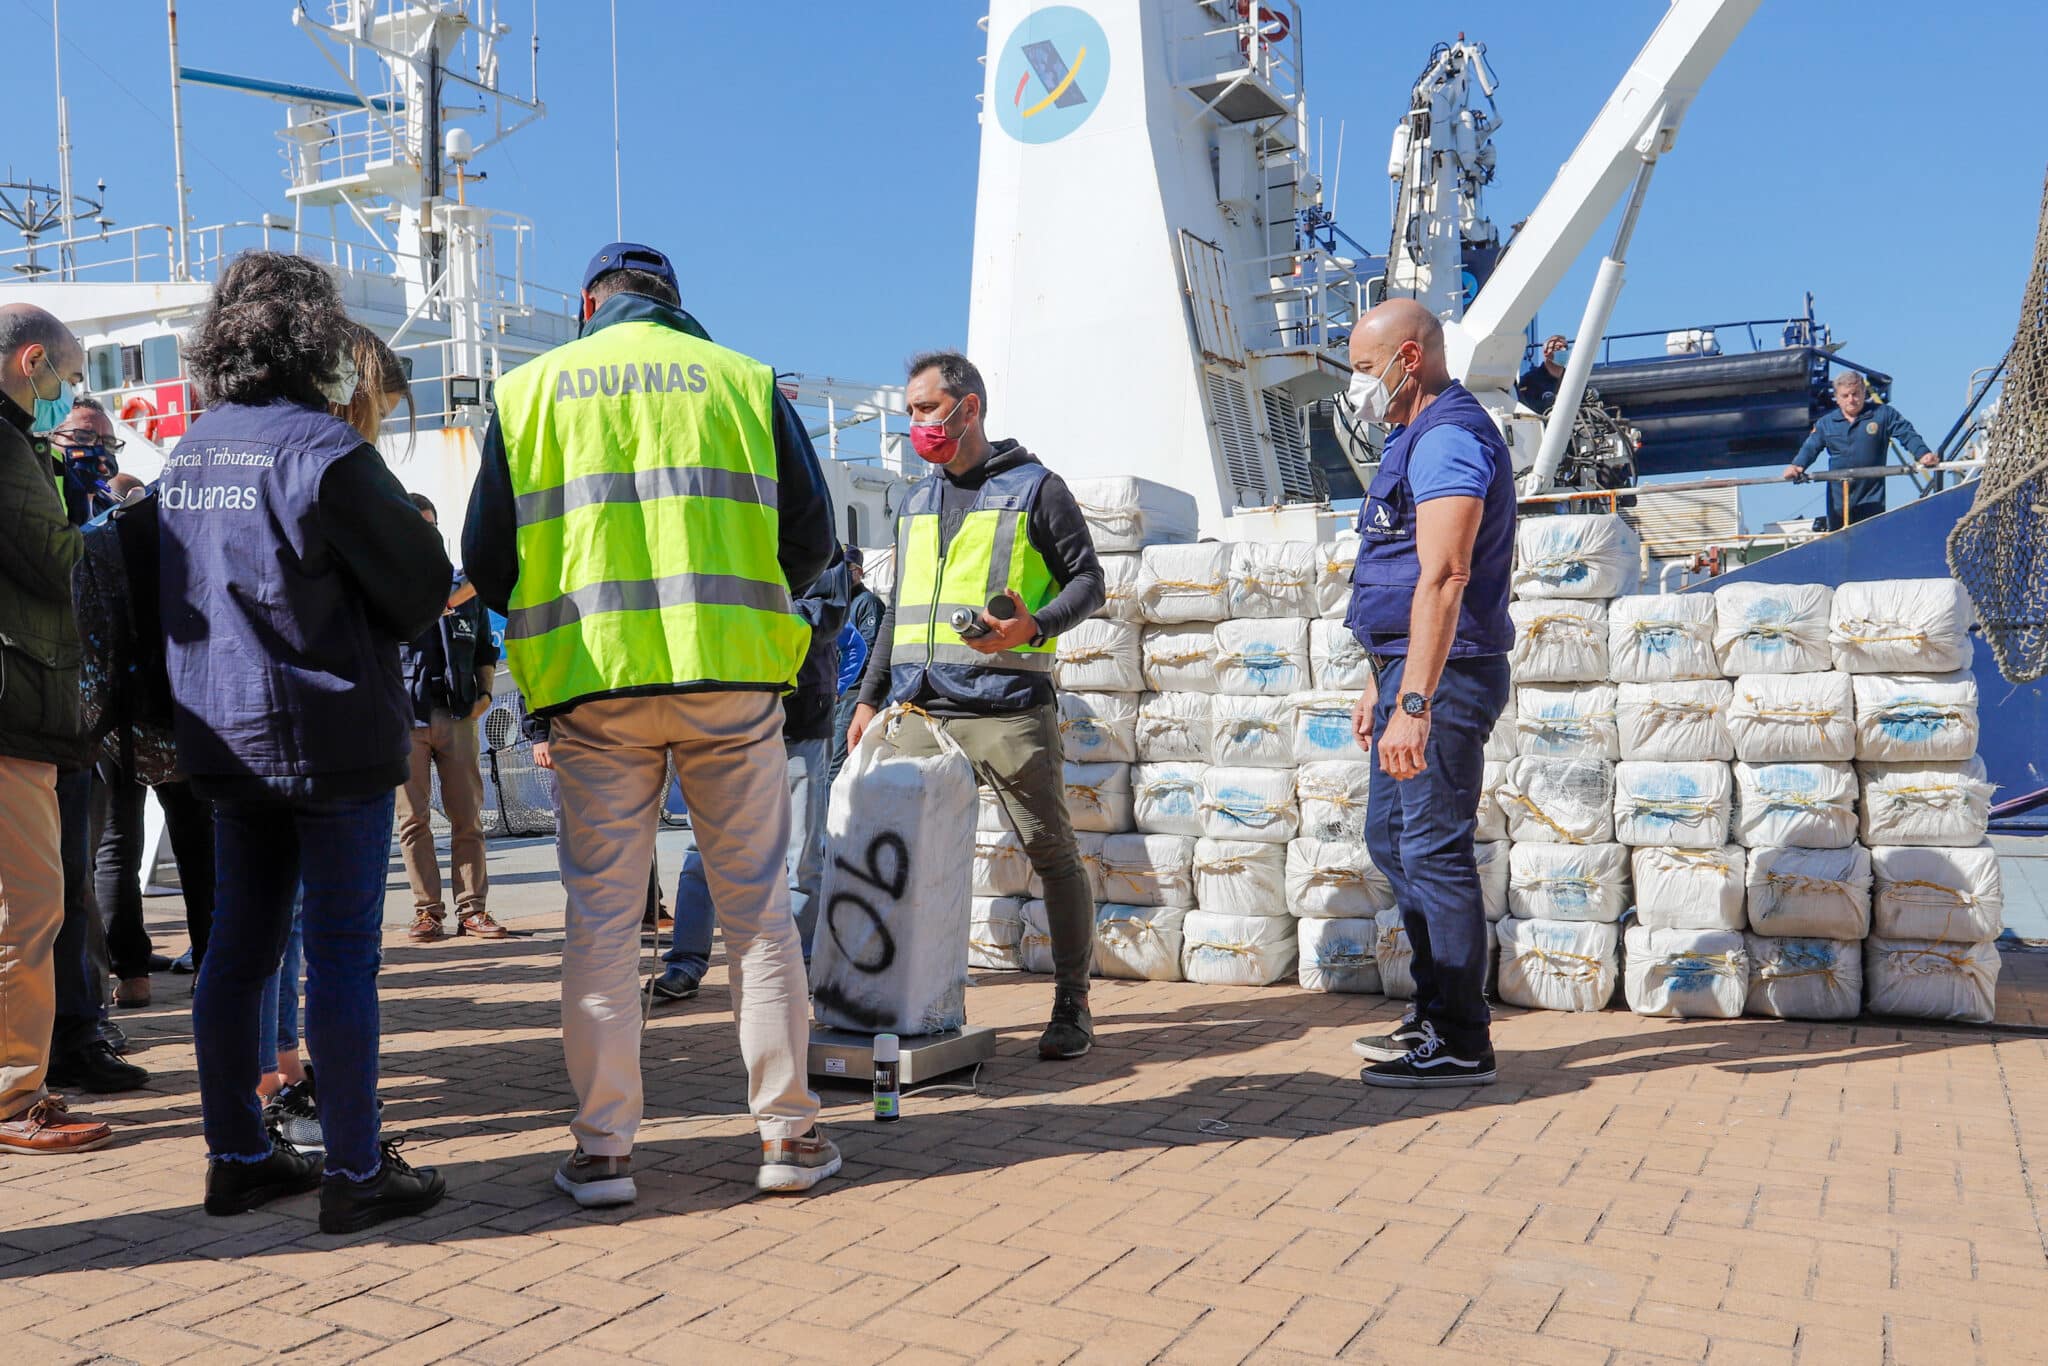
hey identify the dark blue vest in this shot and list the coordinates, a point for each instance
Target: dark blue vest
(276, 670)
(978, 687)
(1383, 581)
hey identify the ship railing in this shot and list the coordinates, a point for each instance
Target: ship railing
(1275, 59)
(348, 151)
(147, 251)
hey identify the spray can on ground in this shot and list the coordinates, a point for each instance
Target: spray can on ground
(888, 1085)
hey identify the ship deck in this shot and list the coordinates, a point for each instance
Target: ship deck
(1210, 1185)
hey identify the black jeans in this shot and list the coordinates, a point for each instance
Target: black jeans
(188, 820)
(79, 1005)
(117, 869)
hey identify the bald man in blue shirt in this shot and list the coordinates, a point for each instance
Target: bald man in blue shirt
(1858, 434)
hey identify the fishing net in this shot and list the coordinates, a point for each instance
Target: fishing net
(1999, 548)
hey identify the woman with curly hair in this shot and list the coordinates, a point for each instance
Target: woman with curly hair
(293, 565)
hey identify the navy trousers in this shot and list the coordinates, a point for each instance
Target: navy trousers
(1420, 834)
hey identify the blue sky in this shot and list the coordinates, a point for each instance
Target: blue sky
(811, 165)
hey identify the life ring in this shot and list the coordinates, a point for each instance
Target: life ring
(139, 413)
(1274, 26)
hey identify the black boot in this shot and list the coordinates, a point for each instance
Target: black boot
(395, 1191)
(238, 1187)
(1072, 1031)
(95, 1068)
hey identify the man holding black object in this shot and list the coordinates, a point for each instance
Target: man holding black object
(1429, 602)
(994, 532)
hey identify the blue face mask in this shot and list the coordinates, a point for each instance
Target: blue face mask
(50, 411)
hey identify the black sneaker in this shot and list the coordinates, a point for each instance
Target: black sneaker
(596, 1182)
(238, 1187)
(1432, 1063)
(395, 1191)
(96, 1069)
(1072, 1031)
(674, 984)
(1392, 1045)
(294, 1112)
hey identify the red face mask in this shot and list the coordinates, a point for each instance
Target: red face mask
(930, 439)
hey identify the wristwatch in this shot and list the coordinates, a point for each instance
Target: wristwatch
(1415, 704)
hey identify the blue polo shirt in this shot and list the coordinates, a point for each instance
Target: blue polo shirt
(1859, 445)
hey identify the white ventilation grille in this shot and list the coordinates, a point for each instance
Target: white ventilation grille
(1298, 482)
(1231, 410)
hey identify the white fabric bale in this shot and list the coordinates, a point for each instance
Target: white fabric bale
(1179, 583)
(1241, 878)
(1334, 879)
(1099, 797)
(1690, 889)
(1661, 638)
(1001, 867)
(890, 952)
(1685, 974)
(995, 924)
(1793, 718)
(1237, 950)
(1804, 979)
(1335, 560)
(1675, 722)
(1331, 797)
(1492, 821)
(1338, 955)
(1567, 882)
(1098, 655)
(1557, 964)
(1558, 801)
(990, 815)
(1901, 626)
(1811, 806)
(1179, 659)
(1500, 741)
(1034, 939)
(1395, 954)
(1558, 640)
(1249, 804)
(878, 570)
(1939, 804)
(1809, 893)
(1683, 805)
(1139, 943)
(1336, 659)
(1952, 894)
(1125, 514)
(1322, 727)
(1595, 555)
(1273, 579)
(1251, 732)
(1493, 858)
(1099, 727)
(1120, 576)
(1266, 658)
(1931, 980)
(1772, 628)
(1173, 727)
(1166, 799)
(1916, 718)
(1149, 870)
(1088, 843)
(1567, 720)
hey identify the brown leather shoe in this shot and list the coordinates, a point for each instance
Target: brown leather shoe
(426, 928)
(132, 993)
(48, 1126)
(479, 925)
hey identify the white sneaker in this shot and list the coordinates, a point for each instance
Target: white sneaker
(789, 1165)
(596, 1182)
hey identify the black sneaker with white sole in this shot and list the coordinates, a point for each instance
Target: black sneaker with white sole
(596, 1182)
(1389, 1046)
(1433, 1063)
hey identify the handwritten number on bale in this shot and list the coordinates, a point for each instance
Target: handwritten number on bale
(891, 879)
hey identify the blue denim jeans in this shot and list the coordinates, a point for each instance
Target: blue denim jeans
(810, 791)
(1420, 834)
(340, 851)
(281, 994)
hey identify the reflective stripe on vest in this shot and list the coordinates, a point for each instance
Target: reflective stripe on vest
(990, 553)
(643, 473)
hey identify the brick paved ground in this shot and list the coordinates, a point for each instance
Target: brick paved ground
(1210, 1185)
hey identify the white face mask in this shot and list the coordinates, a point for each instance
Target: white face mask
(1369, 395)
(339, 388)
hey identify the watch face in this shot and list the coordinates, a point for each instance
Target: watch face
(1414, 703)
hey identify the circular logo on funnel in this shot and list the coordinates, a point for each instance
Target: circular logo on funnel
(1051, 75)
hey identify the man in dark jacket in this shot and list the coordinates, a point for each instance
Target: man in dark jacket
(1857, 435)
(40, 730)
(807, 738)
(449, 671)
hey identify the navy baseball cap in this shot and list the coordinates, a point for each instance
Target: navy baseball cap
(629, 256)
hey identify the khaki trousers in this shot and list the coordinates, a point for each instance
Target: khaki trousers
(31, 912)
(448, 745)
(610, 762)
